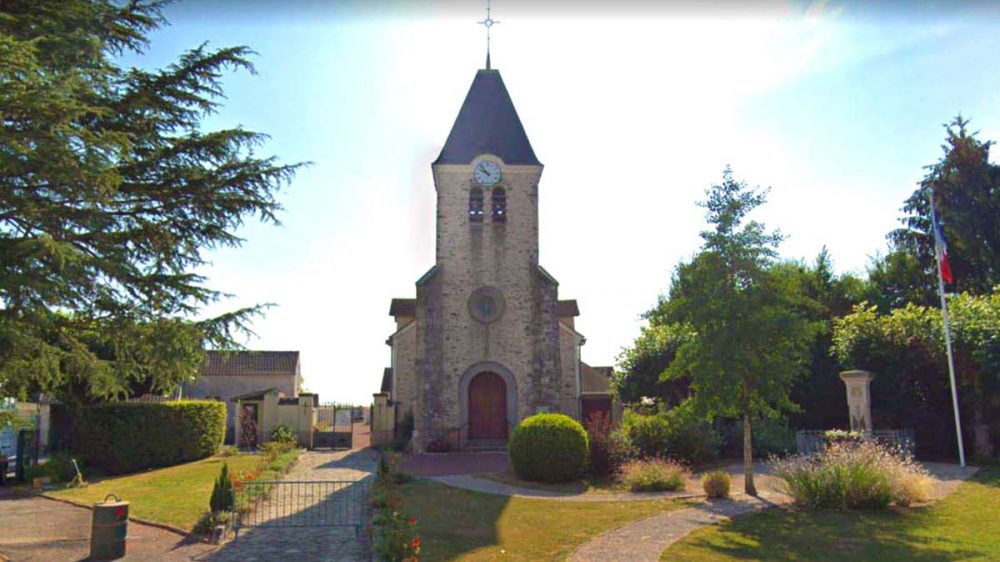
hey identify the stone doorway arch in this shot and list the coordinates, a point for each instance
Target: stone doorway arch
(488, 386)
(487, 406)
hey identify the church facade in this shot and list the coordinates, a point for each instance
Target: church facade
(487, 341)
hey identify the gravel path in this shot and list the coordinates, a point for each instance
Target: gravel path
(308, 543)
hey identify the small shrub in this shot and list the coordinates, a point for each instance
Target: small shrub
(273, 449)
(323, 426)
(228, 451)
(608, 448)
(207, 522)
(648, 434)
(283, 434)
(716, 484)
(676, 434)
(549, 448)
(222, 493)
(438, 446)
(653, 475)
(851, 475)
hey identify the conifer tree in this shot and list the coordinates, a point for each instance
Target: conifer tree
(111, 189)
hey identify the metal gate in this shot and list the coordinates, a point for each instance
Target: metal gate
(286, 503)
(335, 426)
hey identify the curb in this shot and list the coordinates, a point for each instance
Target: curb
(163, 526)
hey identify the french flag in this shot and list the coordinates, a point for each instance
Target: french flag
(941, 247)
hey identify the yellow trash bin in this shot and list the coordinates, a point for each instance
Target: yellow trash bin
(109, 528)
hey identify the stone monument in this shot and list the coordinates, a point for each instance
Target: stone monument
(859, 403)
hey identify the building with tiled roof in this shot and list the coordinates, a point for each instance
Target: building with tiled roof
(228, 374)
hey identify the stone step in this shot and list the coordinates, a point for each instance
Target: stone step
(486, 445)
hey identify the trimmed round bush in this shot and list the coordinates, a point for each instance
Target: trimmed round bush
(716, 484)
(549, 448)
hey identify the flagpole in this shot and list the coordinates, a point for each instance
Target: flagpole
(947, 335)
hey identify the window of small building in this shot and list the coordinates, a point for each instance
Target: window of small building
(499, 205)
(476, 205)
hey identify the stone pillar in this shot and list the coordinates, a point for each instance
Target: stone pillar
(859, 403)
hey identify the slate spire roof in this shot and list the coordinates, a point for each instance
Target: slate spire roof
(487, 123)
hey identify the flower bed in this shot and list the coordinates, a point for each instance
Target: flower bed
(278, 459)
(394, 534)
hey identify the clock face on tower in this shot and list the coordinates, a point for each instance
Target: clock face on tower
(487, 173)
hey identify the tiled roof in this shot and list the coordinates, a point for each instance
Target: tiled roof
(235, 363)
(487, 124)
(567, 308)
(595, 380)
(403, 307)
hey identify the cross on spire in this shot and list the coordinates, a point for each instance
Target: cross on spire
(488, 23)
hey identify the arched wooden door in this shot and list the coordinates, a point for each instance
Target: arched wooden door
(487, 407)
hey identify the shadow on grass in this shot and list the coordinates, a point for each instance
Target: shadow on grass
(453, 522)
(782, 536)
(960, 527)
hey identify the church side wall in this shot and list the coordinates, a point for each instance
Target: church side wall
(569, 350)
(404, 346)
(428, 407)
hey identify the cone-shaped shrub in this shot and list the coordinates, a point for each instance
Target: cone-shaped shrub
(222, 493)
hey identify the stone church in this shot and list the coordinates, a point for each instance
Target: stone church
(487, 342)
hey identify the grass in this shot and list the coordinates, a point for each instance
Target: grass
(175, 495)
(962, 526)
(487, 527)
(584, 485)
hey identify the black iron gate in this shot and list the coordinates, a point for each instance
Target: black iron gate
(335, 426)
(302, 504)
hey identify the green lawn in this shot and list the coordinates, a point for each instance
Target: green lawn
(460, 525)
(963, 526)
(176, 495)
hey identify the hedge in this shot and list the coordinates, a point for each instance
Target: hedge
(121, 438)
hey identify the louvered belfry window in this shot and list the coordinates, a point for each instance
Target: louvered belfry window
(499, 205)
(476, 205)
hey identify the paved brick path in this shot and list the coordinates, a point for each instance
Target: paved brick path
(646, 540)
(308, 543)
(441, 464)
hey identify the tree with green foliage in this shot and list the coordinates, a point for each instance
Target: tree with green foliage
(641, 365)
(110, 191)
(966, 187)
(905, 348)
(750, 342)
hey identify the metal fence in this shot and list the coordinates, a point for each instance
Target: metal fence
(302, 504)
(335, 425)
(810, 441)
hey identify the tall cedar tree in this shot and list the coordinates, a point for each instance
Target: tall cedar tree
(966, 188)
(110, 191)
(750, 342)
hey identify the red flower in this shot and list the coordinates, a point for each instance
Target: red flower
(412, 520)
(415, 544)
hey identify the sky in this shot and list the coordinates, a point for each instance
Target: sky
(635, 108)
